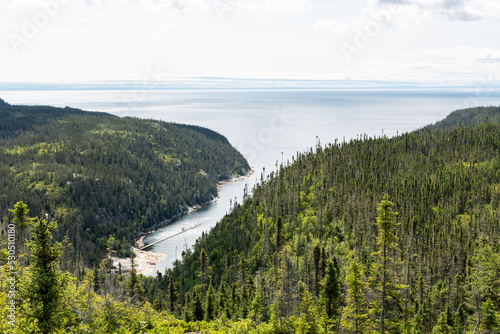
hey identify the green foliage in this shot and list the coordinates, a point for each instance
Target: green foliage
(306, 239)
(210, 305)
(443, 326)
(459, 321)
(491, 321)
(331, 290)
(172, 295)
(466, 117)
(20, 213)
(45, 285)
(356, 315)
(198, 310)
(101, 175)
(307, 322)
(385, 275)
(323, 205)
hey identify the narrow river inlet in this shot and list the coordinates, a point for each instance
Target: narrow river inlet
(207, 217)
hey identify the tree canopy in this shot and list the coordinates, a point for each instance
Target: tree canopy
(100, 175)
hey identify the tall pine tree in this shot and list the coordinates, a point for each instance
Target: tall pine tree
(355, 318)
(388, 267)
(45, 286)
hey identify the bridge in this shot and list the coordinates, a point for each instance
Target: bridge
(170, 236)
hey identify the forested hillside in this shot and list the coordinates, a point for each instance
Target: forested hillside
(318, 245)
(101, 175)
(469, 116)
(374, 235)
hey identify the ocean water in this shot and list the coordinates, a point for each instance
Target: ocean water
(267, 126)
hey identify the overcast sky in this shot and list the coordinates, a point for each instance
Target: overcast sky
(433, 41)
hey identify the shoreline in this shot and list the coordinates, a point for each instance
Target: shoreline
(234, 179)
(138, 242)
(145, 261)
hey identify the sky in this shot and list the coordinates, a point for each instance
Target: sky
(430, 42)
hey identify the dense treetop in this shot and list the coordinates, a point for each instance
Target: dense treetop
(417, 254)
(374, 235)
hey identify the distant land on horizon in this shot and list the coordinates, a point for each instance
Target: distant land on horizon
(158, 81)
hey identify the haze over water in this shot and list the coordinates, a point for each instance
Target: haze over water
(267, 126)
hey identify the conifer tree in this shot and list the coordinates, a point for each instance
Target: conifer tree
(331, 291)
(257, 308)
(204, 277)
(134, 287)
(308, 319)
(442, 326)
(188, 312)
(45, 287)
(490, 322)
(279, 233)
(387, 243)
(20, 213)
(223, 300)
(445, 324)
(210, 306)
(316, 261)
(172, 294)
(96, 280)
(159, 303)
(459, 321)
(197, 307)
(355, 318)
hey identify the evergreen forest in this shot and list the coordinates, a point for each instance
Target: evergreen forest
(371, 235)
(99, 175)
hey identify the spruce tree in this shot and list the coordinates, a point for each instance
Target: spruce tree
(459, 321)
(204, 267)
(331, 292)
(442, 326)
(355, 317)
(490, 322)
(134, 286)
(20, 213)
(445, 322)
(279, 233)
(172, 293)
(188, 312)
(210, 305)
(387, 243)
(45, 286)
(197, 311)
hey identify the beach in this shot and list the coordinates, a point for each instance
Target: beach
(145, 262)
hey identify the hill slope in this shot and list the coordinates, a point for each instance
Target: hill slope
(469, 116)
(100, 175)
(303, 227)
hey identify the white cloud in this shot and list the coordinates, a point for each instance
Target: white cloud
(172, 5)
(455, 10)
(163, 31)
(463, 53)
(91, 19)
(283, 6)
(325, 24)
(23, 4)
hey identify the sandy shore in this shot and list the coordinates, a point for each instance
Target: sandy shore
(145, 261)
(236, 178)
